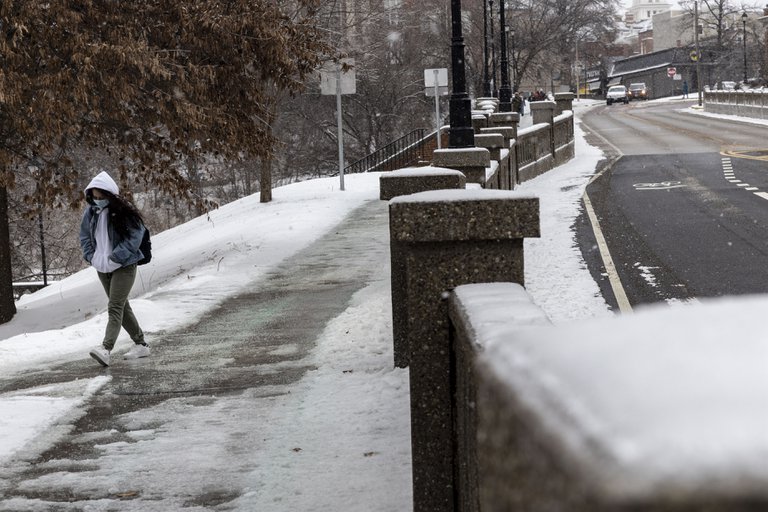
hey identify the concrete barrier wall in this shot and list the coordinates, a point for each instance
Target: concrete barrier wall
(739, 103)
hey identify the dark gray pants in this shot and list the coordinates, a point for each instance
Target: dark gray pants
(118, 286)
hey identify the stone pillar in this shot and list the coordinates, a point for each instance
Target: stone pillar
(494, 143)
(564, 101)
(479, 121)
(471, 161)
(411, 180)
(442, 240)
(543, 111)
(491, 104)
(504, 119)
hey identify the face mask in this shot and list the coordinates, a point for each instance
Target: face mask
(101, 203)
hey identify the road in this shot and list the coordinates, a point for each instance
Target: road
(682, 206)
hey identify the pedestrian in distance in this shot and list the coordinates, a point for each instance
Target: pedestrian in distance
(517, 103)
(685, 89)
(110, 235)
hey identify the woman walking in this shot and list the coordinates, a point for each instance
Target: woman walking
(110, 235)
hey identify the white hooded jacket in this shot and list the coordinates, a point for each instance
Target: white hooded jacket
(104, 181)
(102, 246)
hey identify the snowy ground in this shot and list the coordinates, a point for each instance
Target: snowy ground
(338, 423)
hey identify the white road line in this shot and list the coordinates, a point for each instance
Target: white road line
(743, 185)
(764, 195)
(751, 189)
(610, 268)
(734, 181)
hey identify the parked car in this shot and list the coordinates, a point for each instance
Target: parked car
(727, 86)
(617, 93)
(638, 91)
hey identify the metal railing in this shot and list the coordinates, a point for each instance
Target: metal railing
(403, 152)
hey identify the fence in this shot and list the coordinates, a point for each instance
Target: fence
(404, 152)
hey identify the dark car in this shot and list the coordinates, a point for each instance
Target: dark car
(638, 91)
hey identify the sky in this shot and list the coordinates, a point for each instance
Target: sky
(300, 448)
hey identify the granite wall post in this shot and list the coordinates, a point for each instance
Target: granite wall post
(470, 161)
(563, 101)
(442, 240)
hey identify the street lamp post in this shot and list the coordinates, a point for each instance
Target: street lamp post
(486, 76)
(505, 91)
(494, 90)
(744, 42)
(514, 62)
(461, 134)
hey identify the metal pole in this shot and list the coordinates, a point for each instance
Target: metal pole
(42, 244)
(505, 92)
(339, 127)
(744, 41)
(578, 76)
(437, 109)
(462, 135)
(495, 83)
(486, 76)
(514, 63)
(698, 54)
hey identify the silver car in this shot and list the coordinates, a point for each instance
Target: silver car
(617, 93)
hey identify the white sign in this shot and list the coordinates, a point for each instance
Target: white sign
(671, 72)
(331, 72)
(440, 75)
(442, 91)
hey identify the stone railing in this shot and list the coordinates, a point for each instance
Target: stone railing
(510, 413)
(520, 154)
(618, 415)
(739, 103)
(442, 236)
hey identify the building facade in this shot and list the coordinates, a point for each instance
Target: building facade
(646, 9)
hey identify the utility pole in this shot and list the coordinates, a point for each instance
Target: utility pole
(698, 54)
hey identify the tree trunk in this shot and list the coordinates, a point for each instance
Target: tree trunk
(265, 180)
(7, 304)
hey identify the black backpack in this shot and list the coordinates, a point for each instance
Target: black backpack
(145, 248)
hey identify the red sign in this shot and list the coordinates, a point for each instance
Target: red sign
(671, 72)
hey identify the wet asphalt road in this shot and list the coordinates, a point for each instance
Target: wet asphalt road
(236, 347)
(681, 204)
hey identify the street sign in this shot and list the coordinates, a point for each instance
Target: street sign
(338, 78)
(694, 55)
(433, 77)
(436, 84)
(333, 72)
(671, 72)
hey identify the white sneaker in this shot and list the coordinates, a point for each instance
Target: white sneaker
(137, 351)
(101, 355)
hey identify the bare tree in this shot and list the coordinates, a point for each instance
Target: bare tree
(547, 32)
